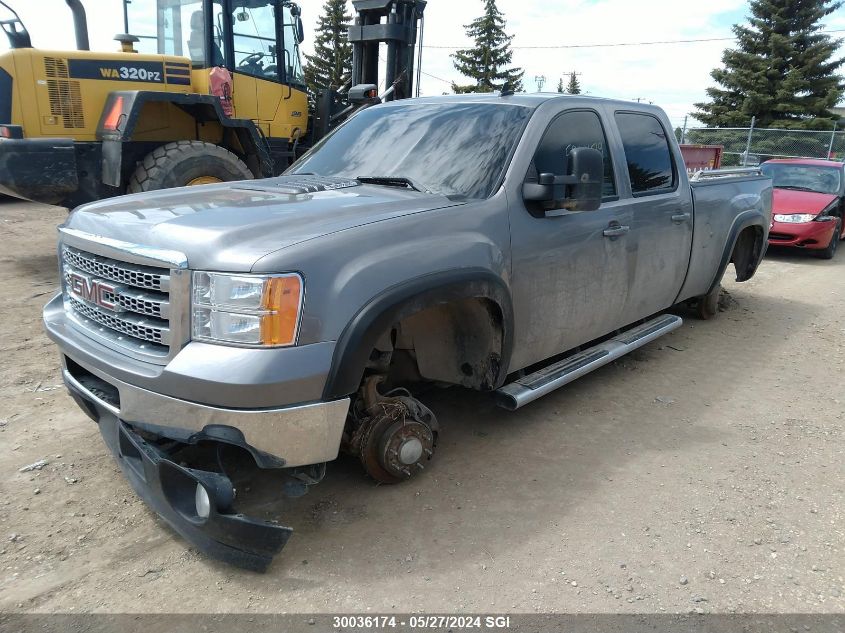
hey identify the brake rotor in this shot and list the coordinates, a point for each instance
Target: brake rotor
(394, 445)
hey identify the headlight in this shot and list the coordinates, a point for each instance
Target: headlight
(795, 218)
(261, 310)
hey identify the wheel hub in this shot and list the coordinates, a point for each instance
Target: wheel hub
(203, 180)
(404, 446)
(410, 451)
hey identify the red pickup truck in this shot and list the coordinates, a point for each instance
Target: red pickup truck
(809, 204)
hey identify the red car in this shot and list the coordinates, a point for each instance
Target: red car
(809, 204)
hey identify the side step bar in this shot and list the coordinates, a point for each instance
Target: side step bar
(528, 388)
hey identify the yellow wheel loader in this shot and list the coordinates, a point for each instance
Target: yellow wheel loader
(203, 91)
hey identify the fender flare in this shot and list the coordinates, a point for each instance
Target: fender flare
(201, 107)
(360, 335)
(746, 219)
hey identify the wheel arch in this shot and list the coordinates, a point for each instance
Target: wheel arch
(241, 136)
(745, 247)
(399, 302)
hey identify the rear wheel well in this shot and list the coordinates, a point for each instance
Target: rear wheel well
(747, 251)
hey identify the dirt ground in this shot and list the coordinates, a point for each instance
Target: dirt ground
(704, 471)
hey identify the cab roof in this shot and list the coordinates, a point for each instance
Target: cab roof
(527, 99)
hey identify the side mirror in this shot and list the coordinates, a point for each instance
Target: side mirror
(300, 30)
(579, 190)
(363, 94)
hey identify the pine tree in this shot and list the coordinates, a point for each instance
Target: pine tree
(486, 62)
(560, 87)
(574, 86)
(783, 71)
(331, 63)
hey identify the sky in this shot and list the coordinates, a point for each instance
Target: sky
(673, 76)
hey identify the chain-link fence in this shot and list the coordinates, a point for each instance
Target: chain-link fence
(761, 144)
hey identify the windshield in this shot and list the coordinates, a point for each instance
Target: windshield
(173, 27)
(804, 177)
(451, 149)
(178, 27)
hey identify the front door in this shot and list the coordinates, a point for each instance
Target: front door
(256, 29)
(570, 272)
(662, 223)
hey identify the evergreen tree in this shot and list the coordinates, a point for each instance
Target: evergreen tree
(331, 63)
(574, 86)
(783, 71)
(560, 87)
(486, 62)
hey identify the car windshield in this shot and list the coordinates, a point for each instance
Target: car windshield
(804, 177)
(457, 149)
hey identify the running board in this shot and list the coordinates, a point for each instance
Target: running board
(528, 388)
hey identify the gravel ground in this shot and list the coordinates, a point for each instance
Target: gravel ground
(703, 472)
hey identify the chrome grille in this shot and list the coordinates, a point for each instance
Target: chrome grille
(138, 276)
(133, 326)
(126, 304)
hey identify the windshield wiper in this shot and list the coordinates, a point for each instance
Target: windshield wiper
(393, 181)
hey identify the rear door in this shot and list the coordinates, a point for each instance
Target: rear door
(570, 272)
(662, 214)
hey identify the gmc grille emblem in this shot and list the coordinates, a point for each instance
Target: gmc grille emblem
(94, 291)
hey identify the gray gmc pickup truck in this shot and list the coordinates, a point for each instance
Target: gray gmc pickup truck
(503, 243)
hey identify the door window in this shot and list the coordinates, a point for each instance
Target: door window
(650, 165)
(255, 39)
(580, 128)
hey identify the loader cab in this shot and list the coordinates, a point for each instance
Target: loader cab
(254, 38)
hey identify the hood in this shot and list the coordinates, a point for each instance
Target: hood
(786, 201)
(229, 227)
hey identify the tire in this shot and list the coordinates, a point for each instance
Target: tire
(184, 163)
(707, 306)
(827, 253)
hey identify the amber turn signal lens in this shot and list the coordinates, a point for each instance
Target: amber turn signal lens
(282, 301)
(113, 118)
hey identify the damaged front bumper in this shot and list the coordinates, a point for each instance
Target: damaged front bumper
(171, 491)
(171, 488)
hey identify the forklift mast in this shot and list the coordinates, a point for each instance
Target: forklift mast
(390, 22)
(394, 23)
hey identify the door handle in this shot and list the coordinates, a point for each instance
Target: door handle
(678, 218)
(615, 230)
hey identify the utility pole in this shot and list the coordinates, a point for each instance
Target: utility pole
(540, 80)
(684, 132)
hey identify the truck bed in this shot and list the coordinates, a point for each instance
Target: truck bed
(747, 192)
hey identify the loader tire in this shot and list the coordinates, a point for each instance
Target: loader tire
(186, 163)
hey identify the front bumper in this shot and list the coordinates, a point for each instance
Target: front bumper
(809, 235)
(43, 170)
(169, 490)
(214, 392)
(276, 438)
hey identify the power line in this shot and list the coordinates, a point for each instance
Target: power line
(445, 81)
(616, 44)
